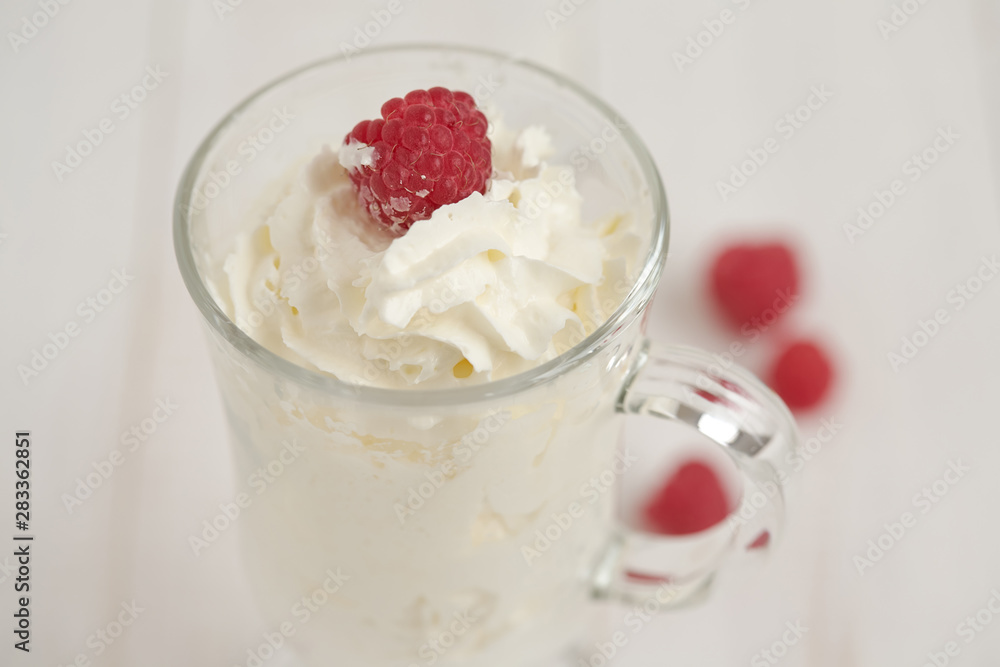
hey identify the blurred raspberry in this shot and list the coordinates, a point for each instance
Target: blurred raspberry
(802, 374)
(754, 285)
(760, 542)
(430, 149)
(691, 501)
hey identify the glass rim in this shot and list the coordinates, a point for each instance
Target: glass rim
(641, 291)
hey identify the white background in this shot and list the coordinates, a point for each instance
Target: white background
(62, 240)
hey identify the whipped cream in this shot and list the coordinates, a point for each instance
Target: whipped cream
(485, 288)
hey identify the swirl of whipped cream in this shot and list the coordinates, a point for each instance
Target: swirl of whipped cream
(485, 288)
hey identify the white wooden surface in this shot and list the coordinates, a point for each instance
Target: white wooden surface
(128, 541)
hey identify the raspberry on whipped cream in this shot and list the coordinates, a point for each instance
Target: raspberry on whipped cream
(428, 149)
(485, 287)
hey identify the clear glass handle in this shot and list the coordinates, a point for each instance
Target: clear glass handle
(731, 407)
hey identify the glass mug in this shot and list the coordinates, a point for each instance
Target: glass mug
(464, 526)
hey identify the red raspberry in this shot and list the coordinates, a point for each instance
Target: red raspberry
(755, 284)
(691, 501)
(430, 149)
(760, 542)
(802, 375)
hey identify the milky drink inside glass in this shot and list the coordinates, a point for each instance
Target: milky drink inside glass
(467, 525)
